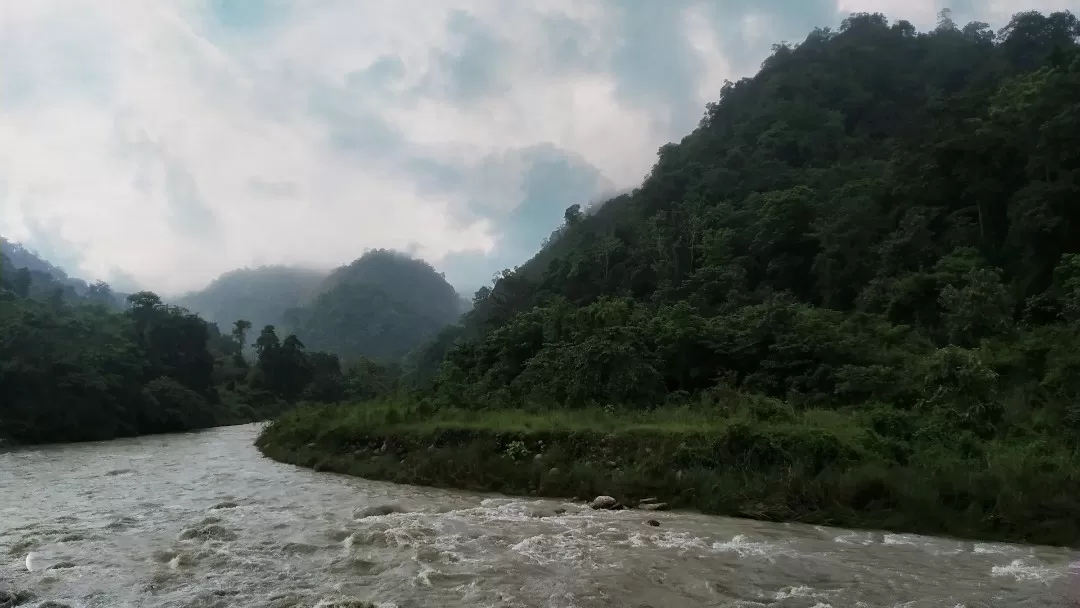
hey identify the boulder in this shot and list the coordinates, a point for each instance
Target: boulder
(653, 506)
(376, 511)
(653, 522)
(8, 599)
(603, 502)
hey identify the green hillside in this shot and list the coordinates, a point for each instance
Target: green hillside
(260, 295)
(381, 306)
(858, 280)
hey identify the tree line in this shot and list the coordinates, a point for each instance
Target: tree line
(83, 367)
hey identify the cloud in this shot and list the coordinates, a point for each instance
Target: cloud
(163, 143)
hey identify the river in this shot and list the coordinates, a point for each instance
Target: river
(202, 520)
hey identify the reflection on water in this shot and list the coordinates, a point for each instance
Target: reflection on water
(201, 520)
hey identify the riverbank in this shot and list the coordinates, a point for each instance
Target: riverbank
(756, 459)
(230, 410)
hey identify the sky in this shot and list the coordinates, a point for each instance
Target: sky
(158, 144)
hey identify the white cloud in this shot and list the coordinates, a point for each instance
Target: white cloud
(172, 147)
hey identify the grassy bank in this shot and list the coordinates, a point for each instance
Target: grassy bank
(754, 458)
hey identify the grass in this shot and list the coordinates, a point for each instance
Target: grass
(753, 457)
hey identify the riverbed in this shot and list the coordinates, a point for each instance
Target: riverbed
(202, 520)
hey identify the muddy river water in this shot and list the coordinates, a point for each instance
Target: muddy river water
(202, 520)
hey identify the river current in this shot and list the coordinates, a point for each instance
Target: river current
(202, 520)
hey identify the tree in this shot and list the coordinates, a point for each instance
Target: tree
(572, 216)
(99, 291)
(239, 331)
(945, 21)
(21, 283)
(143, 306)
(267, 343)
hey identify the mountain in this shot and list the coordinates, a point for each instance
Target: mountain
(850, 297)
(27, 273)
(380, 306)
(879, 216)
(259, 295)
(21, 257)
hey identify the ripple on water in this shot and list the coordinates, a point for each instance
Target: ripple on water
(300, 548)
(358, 566)
(1022, 571)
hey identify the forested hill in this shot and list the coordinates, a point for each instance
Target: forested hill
(25, 270)
(850, 297)
(879, 218)
(81, 366)
(259, 295)
(381, 306)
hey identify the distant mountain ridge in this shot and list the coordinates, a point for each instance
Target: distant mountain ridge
(259, 295)
(19, 256)
(382, 305)
(45, 279)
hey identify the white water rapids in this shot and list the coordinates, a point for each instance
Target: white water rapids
(201, 520)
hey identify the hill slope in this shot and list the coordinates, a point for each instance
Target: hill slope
(871, 194)
(26, 272)
(851, 296)
(259, 295)
(381, 306)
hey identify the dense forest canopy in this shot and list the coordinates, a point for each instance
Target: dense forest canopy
(77, 365)
(879, 216)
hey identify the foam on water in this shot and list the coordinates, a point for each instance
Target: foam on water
(1022, 571)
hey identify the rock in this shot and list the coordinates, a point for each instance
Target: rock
(645, 501)
(603, 502)
(560, 511)
(228, 504)
(376, 511)
(210, 532)
(553, 471)
(8, 599)
(653, 522)
(653, 506)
